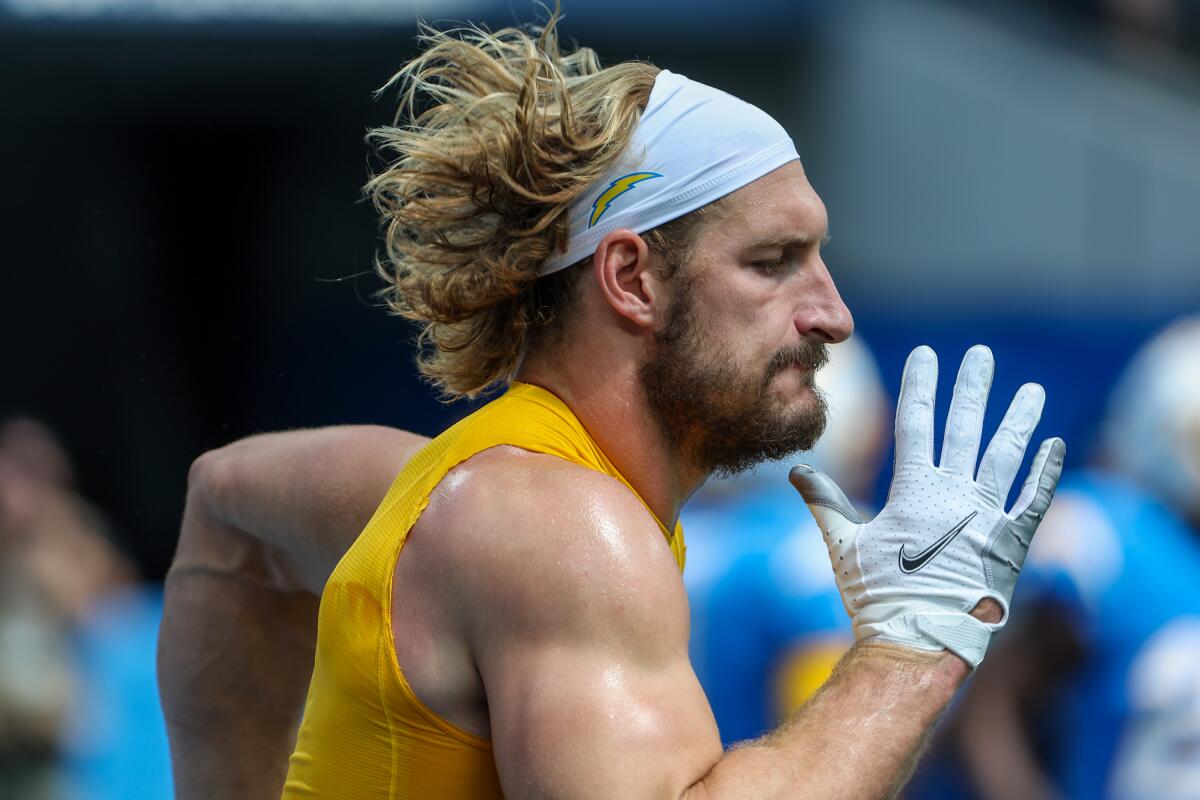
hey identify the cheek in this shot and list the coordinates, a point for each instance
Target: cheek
(742, 305)
(749, 319)
(770, 327)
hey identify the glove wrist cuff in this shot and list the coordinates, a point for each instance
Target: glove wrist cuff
(958, 632)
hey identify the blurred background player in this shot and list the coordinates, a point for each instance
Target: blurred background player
(36, 679)
(767, 621)
(1095, 690)
(79, 712)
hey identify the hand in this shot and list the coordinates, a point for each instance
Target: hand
(943, 541)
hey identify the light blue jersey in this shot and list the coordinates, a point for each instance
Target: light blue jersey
(1126, 724)
(767, 620)
(116, 745)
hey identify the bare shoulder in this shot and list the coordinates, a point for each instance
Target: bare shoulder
(558, 549)
(574, 621)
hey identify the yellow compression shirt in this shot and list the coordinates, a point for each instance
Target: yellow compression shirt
(365, 735)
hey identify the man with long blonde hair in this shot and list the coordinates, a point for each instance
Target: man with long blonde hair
(634, 257)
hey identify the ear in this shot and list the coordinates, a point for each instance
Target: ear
(622, 266)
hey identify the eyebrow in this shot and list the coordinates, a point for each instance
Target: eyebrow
(785, 242)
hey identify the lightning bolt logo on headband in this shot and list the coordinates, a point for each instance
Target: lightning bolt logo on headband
(615, 189)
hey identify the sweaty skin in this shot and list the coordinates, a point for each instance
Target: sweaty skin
(543, 607)
(604, 676)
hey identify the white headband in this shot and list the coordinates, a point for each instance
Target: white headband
(694, 144)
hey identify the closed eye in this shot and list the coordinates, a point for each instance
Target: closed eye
(768, 267)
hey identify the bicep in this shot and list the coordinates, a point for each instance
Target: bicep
(577, 621)
(585, 666)
(583, 720)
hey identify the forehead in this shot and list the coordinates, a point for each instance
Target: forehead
(781, 204)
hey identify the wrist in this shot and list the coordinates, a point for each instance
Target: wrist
(934, 668)
(922, 625)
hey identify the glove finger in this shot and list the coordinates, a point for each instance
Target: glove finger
(1039, 487)
(964, 422)
(914, 408)
(834, 513)
(1004, 453)
(1010, 544)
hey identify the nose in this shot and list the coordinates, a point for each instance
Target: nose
(823, 315)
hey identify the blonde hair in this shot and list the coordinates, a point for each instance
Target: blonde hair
(496, 136)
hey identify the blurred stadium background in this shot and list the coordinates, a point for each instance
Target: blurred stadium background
(187, 259)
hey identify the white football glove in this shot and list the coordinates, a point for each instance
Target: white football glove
(943, 541)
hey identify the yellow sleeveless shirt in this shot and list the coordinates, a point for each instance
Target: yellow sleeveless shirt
(365, 735)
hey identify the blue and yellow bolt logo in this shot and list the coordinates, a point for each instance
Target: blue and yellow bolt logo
(615, 189)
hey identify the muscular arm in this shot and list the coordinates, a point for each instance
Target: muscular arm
(266, 520)
(582, 648)
(859, 737)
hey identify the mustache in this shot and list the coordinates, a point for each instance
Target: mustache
(806, 355)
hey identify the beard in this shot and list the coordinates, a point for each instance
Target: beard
(719, 413)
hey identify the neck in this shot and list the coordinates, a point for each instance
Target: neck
(609, 401)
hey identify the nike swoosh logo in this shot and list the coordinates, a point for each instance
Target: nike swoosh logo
(910, 564)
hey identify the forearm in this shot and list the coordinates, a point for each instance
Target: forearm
(858, 737)
(234, 660)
